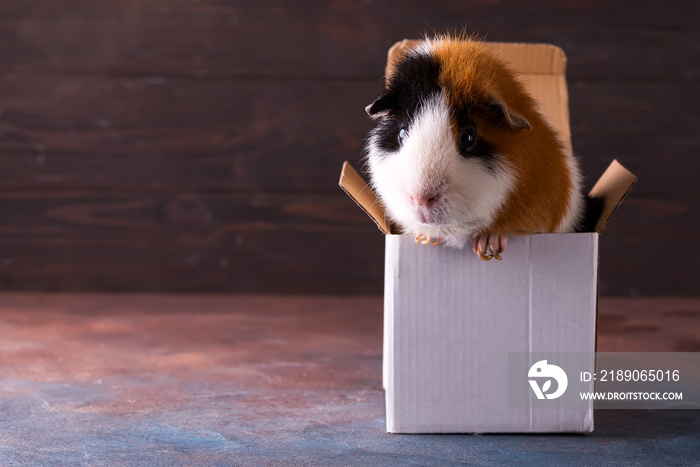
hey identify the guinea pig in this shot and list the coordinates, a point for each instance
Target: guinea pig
(461, 152)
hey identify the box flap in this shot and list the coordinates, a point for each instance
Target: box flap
(612, 187)
(355, 186)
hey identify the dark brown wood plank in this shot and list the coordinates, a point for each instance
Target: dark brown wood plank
(650, 247)
(191, 134)
(651, 129)
(224, 243)
(266, 262)
(605, 40)
(204, 216)
(183, 134)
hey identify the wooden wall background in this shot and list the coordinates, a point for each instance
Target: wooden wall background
(166, 145)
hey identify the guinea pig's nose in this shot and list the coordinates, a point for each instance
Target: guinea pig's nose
(425, 200)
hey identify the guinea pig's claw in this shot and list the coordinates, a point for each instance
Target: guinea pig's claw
(494, 244)
(427, 239)
(484, 256)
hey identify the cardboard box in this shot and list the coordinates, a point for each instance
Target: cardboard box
(450, 319)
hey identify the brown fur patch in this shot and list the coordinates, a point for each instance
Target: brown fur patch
(472, 76)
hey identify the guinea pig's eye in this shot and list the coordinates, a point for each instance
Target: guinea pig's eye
(402, 135)
(467, 140)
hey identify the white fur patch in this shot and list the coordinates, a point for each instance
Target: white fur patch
(429, 161)
(425, 47)
(574, 213)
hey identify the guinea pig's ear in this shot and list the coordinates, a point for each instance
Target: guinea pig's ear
(513, 119)
(378, 108)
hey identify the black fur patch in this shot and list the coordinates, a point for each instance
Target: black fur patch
(481, 149)
(415, 80)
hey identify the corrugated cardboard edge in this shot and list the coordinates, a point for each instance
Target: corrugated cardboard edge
(356, 188)
(613, 187)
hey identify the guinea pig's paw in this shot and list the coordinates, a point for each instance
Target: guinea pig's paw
(427, 239)
(490, 245)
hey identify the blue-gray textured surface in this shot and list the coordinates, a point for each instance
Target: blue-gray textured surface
(168, 380)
